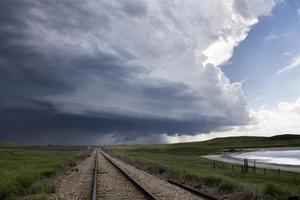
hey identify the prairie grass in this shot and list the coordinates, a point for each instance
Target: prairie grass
(26, 171)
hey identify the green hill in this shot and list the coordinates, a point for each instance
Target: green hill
(217, 145)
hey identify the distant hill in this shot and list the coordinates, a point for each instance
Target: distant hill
(219, 144)
(288, 140)
(10, 144)
(285, 137)
(248, 141)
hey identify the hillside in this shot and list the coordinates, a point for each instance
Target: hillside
(217, 144)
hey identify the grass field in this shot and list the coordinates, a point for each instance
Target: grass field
(184, 162)
(26, 171)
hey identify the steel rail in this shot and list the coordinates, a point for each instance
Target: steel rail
(195, 191)
(95, 174)
(147, 193)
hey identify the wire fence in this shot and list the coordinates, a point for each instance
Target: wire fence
(249, 168)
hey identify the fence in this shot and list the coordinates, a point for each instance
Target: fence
(249, 168)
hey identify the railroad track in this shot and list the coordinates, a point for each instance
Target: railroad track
(147, 194)
(95, 175)
(195, 191)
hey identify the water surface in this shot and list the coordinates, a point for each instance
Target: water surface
(284, 157)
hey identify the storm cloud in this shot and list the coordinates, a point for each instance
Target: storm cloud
(74, 71)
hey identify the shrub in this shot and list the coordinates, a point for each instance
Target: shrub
(211, 181)
(42, 186)
(247, 193)
(162, 170)
(36, 197)
(25, 180)
(274, 192)
(227, 187)
(156, 169)
(72, 163)
(49, 173)
(192, 177)
(8, 191)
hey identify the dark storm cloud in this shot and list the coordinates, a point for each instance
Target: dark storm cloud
(135, 7)
(43, 55)
(24, 70)
(28, 71)
(42, 123)
(70, 15)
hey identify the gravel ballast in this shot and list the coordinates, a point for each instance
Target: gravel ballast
(76, 184)
(158, 187)
(112, 184)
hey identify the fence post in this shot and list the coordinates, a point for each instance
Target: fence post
(246, 165)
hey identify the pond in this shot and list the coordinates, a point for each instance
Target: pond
(283, 157)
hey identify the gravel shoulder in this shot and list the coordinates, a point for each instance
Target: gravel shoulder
(76, 183)
(158, 187)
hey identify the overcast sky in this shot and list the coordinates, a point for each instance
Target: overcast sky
(147, 71)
